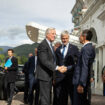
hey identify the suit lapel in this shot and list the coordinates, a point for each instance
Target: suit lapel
(69, 50)
(60, 54)
(49, 48)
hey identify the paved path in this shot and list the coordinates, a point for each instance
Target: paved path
(18, 100)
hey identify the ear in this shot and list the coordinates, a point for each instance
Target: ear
(84, 37)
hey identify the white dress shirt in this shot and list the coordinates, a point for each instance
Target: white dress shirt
(66, 49)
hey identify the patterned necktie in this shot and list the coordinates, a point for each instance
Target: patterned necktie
(63, 51)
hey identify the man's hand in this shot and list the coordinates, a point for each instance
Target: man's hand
(91, 80)
(80, 89)
(5, 68)
(62, 69)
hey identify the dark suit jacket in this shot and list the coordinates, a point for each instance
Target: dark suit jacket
(31, 65)
(82, 72)
(69, 60)
(12, 71)
(45, 65)
(25, 68)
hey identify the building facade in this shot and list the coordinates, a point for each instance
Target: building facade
(36, 33)
(90, 14)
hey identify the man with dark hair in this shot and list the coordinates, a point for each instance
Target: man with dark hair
(82, 73)
(11, 67)
(33, 82)
(11, 50)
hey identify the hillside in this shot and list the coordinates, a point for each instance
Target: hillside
(5, 48)
(25, 49)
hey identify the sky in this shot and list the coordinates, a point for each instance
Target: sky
(15, 14)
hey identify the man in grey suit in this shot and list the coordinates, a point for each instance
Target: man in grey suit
(46, 66)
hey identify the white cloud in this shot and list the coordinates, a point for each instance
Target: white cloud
(12, 32)
(15, 14)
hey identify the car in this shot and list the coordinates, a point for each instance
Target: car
(2, 77)
(20, 78)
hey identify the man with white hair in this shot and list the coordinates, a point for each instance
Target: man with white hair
(46, 66)
(66, 55)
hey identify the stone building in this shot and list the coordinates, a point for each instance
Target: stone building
(36, 33)
(90, 14)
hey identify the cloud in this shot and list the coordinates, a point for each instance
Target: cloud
(15, 14)
(12, 31)
(18, 40)
(29, 10)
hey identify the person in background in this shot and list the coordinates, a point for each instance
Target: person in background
(33, 81)
(56, 45)
(11, 67)
(26, 84)
(103, 78)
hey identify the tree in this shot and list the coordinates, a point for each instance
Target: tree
(2, 59)
(1, 50)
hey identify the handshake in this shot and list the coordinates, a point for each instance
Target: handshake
(62, 69)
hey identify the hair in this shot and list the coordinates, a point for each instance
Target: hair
(57, 43)
(65, 33)
(11, 50)
(88, 34)
(48, 30)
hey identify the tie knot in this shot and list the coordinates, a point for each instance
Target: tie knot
(64, 46)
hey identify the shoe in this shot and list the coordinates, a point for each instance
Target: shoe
(16, 92)
(9, 103)
(25, 102)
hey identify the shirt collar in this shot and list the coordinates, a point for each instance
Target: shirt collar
(86, 43)
(10, 57)
(48, 41)
(66, 45)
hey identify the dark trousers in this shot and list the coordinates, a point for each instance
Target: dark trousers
(45, 92)
(61, 92)
(89, 94)
(9, 87)
(80, 99)
(33, 85)
(36, 87)
(26, 85)
(103, 89)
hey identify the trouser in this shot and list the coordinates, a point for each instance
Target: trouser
(36, 92)
(33, 85)
(10, 90)
(45, 92)
(31, 88)
(103, 89)
(61, 92)
(26, 89)
(89, 94)
(80, 99)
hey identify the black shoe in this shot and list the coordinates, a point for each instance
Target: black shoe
(25, 102)
(9, 103)
(16, 92)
